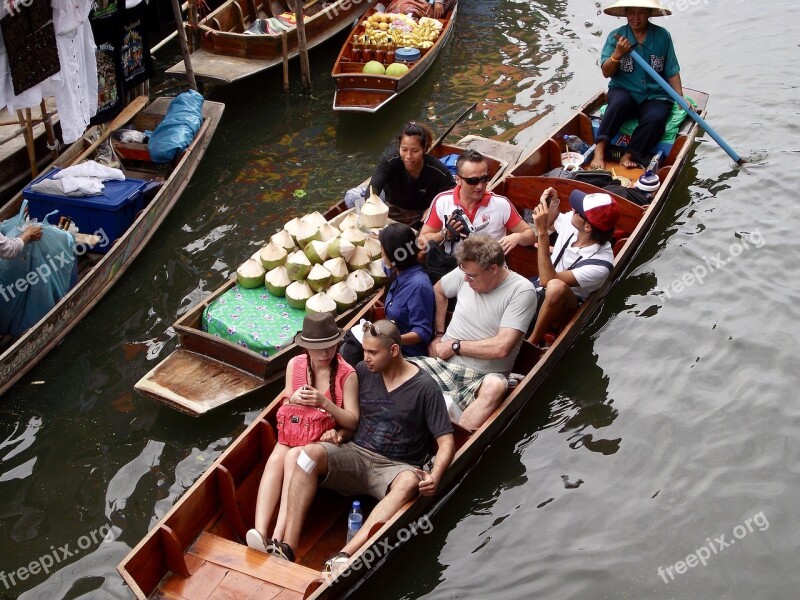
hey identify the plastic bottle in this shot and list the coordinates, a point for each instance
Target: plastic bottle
(575, 144)
(649, 181)
(354, 520)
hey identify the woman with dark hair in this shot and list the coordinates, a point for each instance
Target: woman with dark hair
(410, 177)
(410, 302)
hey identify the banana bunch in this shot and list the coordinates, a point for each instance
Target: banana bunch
(390, 29)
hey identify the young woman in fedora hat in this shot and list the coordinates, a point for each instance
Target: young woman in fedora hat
(631, 93)
(321, 393)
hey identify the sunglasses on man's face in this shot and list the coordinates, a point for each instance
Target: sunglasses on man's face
(474, 180)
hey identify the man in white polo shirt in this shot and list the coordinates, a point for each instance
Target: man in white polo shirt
(582, 257)
(489, 214)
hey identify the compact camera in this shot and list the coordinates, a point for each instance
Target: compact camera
(459, 216)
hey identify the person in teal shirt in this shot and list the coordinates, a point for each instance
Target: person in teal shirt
(631, 92)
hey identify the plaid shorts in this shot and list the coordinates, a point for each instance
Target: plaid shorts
(459, 382)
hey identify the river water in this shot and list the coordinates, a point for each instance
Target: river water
(670, 430)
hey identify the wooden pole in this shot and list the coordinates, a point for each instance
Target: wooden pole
(302, 48)
(193, 26)
(187, 61)
(29, 140)
(52, 143)
(285, 47)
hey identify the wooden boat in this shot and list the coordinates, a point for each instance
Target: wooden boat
(228, 54)
(197, 549)
(17, 153)
(208, 371)
(360, 92)
(98, 272)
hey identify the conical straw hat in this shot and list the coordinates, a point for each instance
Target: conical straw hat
(618, 8)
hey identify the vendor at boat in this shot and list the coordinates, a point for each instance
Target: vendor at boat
(10, 247)
(422, 8)
(410, 177)
(632, 93)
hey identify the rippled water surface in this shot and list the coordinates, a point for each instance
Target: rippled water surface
(673, 420)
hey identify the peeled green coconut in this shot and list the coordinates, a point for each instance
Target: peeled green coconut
(304, 233)
(315, 219)
(291, 227)
(321, 303)
(327, 232)
(297, 293)
(319, 278)
(250, 274)
(337, 267)
(360, 259)
(361, 283)
(316, 251)
(396, 70)
(341, 247)
(349, 222)
(354, 236)
(297, 265)
(272, 256)
(372, 246)
(377, 273)
(277, 280)
(373, 67)
(343, 295)
(283, 239)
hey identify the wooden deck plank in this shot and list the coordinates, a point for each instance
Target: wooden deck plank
(216, 68)
(197, 587)
(263, 567)
(238, 586)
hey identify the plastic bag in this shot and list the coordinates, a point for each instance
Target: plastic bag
(33, 282)
(178, 128)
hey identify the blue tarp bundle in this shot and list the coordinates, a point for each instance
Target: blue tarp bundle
(178, 128)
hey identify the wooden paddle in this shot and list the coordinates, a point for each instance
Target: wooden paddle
(130, 111)
(460, 118)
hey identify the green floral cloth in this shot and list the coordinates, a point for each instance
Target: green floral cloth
(253, 318)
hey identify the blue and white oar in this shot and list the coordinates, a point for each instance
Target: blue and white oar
(685, 106)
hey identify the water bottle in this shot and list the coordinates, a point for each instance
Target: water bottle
(575, 144)
(354, 520)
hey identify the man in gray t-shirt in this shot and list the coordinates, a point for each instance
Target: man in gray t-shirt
(494, 306)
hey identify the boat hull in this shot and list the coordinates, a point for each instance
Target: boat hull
(36, 342)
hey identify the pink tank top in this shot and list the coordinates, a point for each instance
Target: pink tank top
(300, 370)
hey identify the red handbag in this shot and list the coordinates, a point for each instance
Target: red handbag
(299, 425)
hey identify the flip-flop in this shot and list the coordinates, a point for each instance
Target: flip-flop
(280, 549)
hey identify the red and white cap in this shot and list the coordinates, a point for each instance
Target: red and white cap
(599, 209)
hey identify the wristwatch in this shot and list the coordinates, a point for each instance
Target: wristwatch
(456, 346)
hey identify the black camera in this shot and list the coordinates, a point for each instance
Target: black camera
(459, 216)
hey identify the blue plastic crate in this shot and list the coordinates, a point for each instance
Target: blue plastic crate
(112, 211)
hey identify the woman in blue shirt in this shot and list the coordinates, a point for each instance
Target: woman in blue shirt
(410, 302)
(631, 93)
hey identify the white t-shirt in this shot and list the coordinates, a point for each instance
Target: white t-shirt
(479, 316)
(589, 276)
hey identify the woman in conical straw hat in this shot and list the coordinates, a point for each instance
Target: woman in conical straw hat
(631, 92)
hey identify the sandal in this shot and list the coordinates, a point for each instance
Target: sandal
(336, 562)
(280, 549)
(256, 541)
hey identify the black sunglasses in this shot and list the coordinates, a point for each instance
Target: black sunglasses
(474, 180)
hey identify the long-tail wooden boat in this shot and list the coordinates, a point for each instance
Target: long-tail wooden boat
(208, 371)
(360, 92)
(228, 54)
(97, 272)
(197, 550)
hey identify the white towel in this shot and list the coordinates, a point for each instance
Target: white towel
(91, 168)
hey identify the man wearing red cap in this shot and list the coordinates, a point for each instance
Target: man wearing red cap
(582, 256)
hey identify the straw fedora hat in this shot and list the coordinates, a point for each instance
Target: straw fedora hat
(319, 332)
(618, 8)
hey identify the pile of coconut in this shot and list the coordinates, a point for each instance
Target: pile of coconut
(317, 266)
